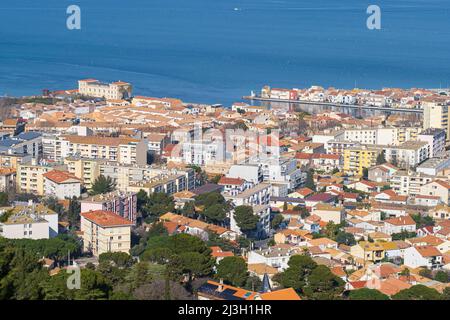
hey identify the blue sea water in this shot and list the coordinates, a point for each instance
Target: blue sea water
(206, 51)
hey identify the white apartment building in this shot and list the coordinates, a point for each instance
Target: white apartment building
(27, 143)
(435, 138)
(434, 166)
(326, 137)
(257, 195)
(280, 171)
(407, 155)
(203, 152)
(423, 256)
(409, 183)
(122, 150)
(389, 136)
(277, 256)
(126, 176)
(436, 116)
(105, 231)
(249, 172)
(61, 184)
(123, 204)
(29, 222)
(338, 146)
(437, 188)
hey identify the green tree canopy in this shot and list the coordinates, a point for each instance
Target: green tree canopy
(3, 199)
(323, 284)
(310, 180)
(189, 210)
(120, 259)
(245, 218)
(381, 158)
(345, 238)
(417, 292)
(233, 270)
(102, 185)
(215, 213)
(277, 220)
(441, 276)
(367, 294)
(158, 203)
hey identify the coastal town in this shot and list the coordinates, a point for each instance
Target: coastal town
(154, 198)
(385, 99)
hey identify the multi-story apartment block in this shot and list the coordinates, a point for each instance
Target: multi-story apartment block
(133, 178)
(29, 222)
(280, 171)
(123, 204)
(203, 152)
(27, 143)
(7, 179)
(12, 160)
(85, 169)
(105, 231)
(389, 136)
(435, 166)
(407, 183)
(61, 184)
(359, 157)
(435, 138)
(436, 116)
(164, 183)
(338, 146)
(110, 91)
(121, 150)
(249, 172)
(407, 155)
(257, 195)
(30, 177)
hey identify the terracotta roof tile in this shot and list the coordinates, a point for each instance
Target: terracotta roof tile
(106, 218)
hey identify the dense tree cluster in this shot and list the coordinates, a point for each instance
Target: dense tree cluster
(214, 207)
(310, 279)
(153, 206)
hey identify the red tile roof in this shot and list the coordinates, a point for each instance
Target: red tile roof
(401, 221)
(61, 176)
(428, 251)
(230, 181)
(106, 218)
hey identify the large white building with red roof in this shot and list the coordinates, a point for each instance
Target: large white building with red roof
(105, 231)
(61, 184)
